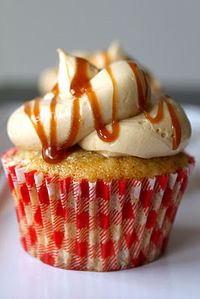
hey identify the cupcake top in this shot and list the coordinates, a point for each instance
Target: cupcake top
(101, 59)
(110, 110)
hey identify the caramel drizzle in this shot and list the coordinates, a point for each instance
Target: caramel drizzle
(75, 124)
(176, 128)
(106, 57)
(142, 98)
(55, 89)
(80, 84)
(103, 133)
(34, 116)
(158, 117)
(53, 121)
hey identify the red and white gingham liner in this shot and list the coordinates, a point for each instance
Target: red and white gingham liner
(101, 226)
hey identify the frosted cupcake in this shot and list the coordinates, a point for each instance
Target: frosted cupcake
(98, 170)
(100, 59)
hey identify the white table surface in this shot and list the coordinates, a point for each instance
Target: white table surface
(175, 275)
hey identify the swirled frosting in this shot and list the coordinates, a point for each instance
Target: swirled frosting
(100, 59)
(110, 111)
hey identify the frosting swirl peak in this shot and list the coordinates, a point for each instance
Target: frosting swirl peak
(68, 71)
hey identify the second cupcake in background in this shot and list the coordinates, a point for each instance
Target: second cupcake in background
(99, 167)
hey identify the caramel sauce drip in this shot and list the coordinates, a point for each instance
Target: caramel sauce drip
(54, 154)
(103, 133)
(53, 121)
(147, 88)
(80, 85)
(176, 128)
(106, 57)
(50, 152)
(80, 82)
(159, 116)
(75, 125)
(142, 98)
(34, 116)
(55, 88)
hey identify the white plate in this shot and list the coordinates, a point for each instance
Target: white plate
(175, 275)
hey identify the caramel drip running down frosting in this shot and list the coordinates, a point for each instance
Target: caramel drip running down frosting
(142, 97)
(176, 128)
(106, 56)
(102, 131)
(80, 85)
(34, 116)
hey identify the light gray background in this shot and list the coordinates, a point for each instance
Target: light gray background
(163, 34)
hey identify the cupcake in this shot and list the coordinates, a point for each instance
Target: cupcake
(100, 59)
(98, 168)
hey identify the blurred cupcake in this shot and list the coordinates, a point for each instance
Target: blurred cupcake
(98, 170)
(100, 59)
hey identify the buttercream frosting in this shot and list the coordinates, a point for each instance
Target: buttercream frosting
(138, 135)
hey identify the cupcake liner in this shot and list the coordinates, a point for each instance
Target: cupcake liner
(100, 226)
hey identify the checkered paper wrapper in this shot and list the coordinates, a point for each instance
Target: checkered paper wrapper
(101, 226)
